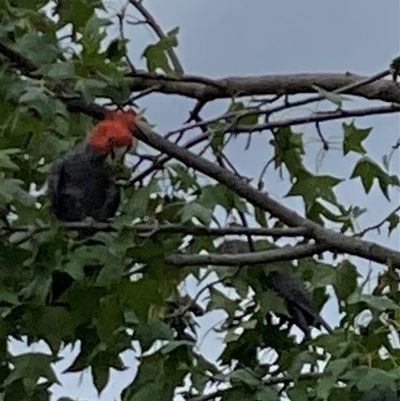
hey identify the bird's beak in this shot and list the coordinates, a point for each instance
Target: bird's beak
(119, 152)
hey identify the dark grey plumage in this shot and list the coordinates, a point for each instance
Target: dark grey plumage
(82, 185)
(287, 284)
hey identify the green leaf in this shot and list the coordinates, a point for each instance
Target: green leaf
(61, 70)
(37, 290)
(338, 366)
(90, 88)
(32, 365)
(52, 324)
(249, 119)
(317, 211)
(138, 206)
(148, 333)
(394, 220)
(395, 68)
(183, 177)
(329, 381)
(76, 12)
(93, 34)
(345, 279)
(156, 54)
(156, 58)
(172, 37)
(173, 345)
(300, 392)
(212, 196)
(368, 171)
(298, 362)
(5, 161)
(113, 270)
(379, 303)
(140, 296)
(378, 384)
(318, 273)
(260, 217)
(36, 98)
(314, 187)
(267, 394)
(101, 375)
(47, 145)
(353, 138)
(195, 210)
(325, 386)
(289, 150)
(218, 300)
(158, 376)
(40, 49)
(245, 376)
(271, 302)
(110, 317)
(11, 191)
(216, 131)
(116, 49)
(237, 394)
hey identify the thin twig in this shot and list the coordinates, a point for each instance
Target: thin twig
(325, 144)
(260, 183)
(121, 16)
(146, 92)
(313, 118)
(378, 225)
(242, 216)
(162, 160)
(319, 117)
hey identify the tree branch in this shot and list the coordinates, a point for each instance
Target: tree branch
(171, 229)
(269, 381)
(334, 242)
(318, 118)
(198, 87)
(313, 118)
(17, 59)
(205, 88)
(252, 258)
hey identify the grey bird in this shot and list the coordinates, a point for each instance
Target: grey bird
(81, 185)
(286, 283)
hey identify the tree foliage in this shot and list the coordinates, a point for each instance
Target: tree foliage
(59, 68)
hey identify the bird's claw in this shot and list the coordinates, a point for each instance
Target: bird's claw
(89, 220)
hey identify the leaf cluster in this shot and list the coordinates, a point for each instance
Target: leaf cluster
(122, 295)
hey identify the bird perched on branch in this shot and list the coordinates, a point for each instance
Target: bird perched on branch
(288, 285)
(81, 185)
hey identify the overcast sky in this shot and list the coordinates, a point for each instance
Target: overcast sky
(243, 38)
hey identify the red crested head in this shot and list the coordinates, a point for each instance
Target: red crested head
(127, 118)
(111, 137)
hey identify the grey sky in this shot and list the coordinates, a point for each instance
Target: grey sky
(241, 37)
